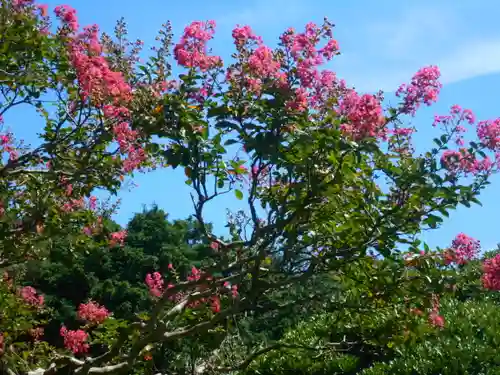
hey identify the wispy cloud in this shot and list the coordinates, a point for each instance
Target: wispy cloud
(471, 59)
(390, 50)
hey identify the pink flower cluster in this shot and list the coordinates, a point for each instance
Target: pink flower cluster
(73, 205)
(266, 66)
(155, 283)
(462, 161)
(300, 100)
(262, 63)
(118, 238)
(6, 145)
(191, 51)
(403, 132)
(96, 78)
(233, 288)
(452, 123)
(491, 273)
(31, 297)
(423, 88)
(303, 48)
(242, 35)
(75, 340)
(68, 16)
(434, 318)
(364, 115)
(102, 85)
(258, 65)
(325, 86)
(464, 248)
(92, 312)
(489, 133)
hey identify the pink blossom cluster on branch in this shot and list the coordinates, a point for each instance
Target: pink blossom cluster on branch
(191, 51)
(31, 296)
(118, 238)
(75, 340)
(92, 312)
(364, 114)
(103, 86)
(434, 318)
(155, 283)
(463, 249)
(491, 273)
(423, 88)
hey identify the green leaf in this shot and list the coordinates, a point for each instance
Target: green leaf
(238, 193)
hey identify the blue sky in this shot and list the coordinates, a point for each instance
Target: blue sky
(382, 42)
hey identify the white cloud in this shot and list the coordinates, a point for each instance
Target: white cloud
(390, 51)
(471, 59)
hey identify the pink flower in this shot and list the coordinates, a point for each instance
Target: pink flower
(489, 133)
(330, 49)
(214, 245)
(424, 88)
(234, 290)
(103, 86)
(288, 37)
(364, 114)
(30, 296)
(75, 340)
(254, 85)
(242, 35)
(191, 51)
(68, 16)
(155, 283)
(299, 103)
(403, 132)
(491, 273)
(452, 123)
(465, 248)
(307, 71)
(463, 161)
(92, 312)
(69, 189)
(195, 274)
(92, 202)
(262, 63)
(215, 304)
(118, 238)
(436, 320)
(116, 112)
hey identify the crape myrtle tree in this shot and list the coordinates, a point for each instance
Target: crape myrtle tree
(328, 175)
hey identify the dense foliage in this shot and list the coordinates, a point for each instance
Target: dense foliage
(311, 276)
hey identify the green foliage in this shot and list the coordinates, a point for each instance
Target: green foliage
(115, 276)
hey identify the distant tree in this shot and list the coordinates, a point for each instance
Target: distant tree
(115, 276)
